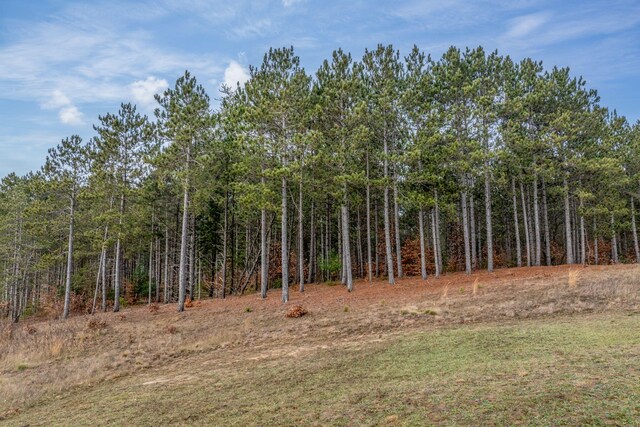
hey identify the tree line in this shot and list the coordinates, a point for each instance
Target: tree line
(386, 166)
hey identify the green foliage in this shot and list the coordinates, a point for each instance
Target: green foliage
(331, 265)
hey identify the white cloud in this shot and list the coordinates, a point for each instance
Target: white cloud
(235, 73)
(524, 25)
(287, 3)
(71, 115)
(58, 99)
(67, 112)
(143, 91)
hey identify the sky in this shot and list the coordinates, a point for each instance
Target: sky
(64, 63)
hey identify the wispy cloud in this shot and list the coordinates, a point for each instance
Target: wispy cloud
(523, 26)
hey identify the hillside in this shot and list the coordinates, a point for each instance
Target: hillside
(519, 346)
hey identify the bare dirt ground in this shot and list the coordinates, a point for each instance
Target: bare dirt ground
(42, 362)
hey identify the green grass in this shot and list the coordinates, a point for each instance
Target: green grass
(570, 371)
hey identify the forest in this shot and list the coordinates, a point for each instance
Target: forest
(384, 166)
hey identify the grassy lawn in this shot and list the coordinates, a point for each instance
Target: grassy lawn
(572, 370)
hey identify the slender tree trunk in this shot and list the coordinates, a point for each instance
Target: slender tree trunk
(596, 259)
(376, 239)
(434, 232)
(547, 237)
(157, 270)
(396, 219)
(583, 237)
(634, 231)
(346, 247)
(525, 221)
(438, 243)
(472, 232)
(95, 294)
(360, 257)
(67, 287)
(311, 278)
(387, 225)
(368, 202)
(284, 244)
(118, 280)
(465, 231)
(301, 240)
(182, 270)
(567, 224)
(489, 224)
(264, 255)
(225, 244)
(150, 269)
(423, 259)
(192, 257)
(536, 221)
(614, 242)
(165, 295)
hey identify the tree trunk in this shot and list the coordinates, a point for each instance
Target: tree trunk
(595, 242)
(117, 280)
(387, 225)
(182, 271)
(465, 231)
(489, 224)
(264, 255)
(567, 224)
(375, 239)
(438, 243)
(634, 231)
(165, 295)
(300, 239)
(583, 237)
(472, 232)
(225, 244)
(516, 225)
(536, 221)
(547, 237)
(360, 256)
(346, 247)
(67, 287)
(423, 260)
(192, 257)
(436, 251)
(284, 244)
(311, 278)
(396, 219)
(525, 221)
(368, 202)
(614, 242)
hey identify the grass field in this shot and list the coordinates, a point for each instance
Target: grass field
(538, 347)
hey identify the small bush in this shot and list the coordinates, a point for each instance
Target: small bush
(154, 308)
(297, 311)
(31, 330)
(171, 329)
(96, 324)
(248, 309)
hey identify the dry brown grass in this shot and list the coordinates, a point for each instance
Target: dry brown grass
(41, 359)
(573, 278)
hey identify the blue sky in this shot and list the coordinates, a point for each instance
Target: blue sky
(62, 63)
